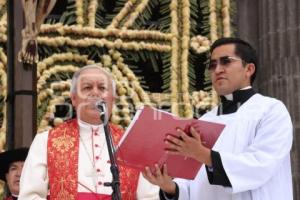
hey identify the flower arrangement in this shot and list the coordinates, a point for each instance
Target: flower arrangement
(213, 20)
(128, 88)
(91, 32)
(174, 58)
(3, 23)
(200, 44)
(91, 12)
(185, 40)
(133, 15)
(79, 12)
(226, 18)
(3, 95)
(203, 100)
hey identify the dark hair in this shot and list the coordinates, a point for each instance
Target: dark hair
(242, 49)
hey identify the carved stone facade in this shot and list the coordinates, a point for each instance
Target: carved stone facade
(273, 27)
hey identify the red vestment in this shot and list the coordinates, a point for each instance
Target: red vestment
(62, 159)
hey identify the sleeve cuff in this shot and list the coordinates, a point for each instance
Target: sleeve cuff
(165, 196)
(216, 174)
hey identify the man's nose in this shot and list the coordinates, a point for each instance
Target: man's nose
(19, 172)
(219, 68)
(96, 92)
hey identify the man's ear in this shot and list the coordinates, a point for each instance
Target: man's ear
(250, 69)
(6, 176)
(73, 99)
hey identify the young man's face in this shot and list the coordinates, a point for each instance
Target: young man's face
(13, 177)
(93, 85)
(228, 71)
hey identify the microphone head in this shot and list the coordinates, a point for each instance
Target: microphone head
(100, 106)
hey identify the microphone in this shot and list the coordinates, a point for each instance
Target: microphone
(101, 107)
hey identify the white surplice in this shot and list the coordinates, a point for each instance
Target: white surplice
(34, 179)
(255, 152)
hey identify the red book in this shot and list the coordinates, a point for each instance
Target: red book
(143, 142)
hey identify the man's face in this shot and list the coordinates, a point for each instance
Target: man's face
(230, 72)
(13, 177)
(93, 85)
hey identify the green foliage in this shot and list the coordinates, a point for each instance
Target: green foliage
(42, 110)
(3, 10)
(199, 16)
(143, 63)
(106, 11)
(69, 16)
(1, 108)
(233, 11)
(166, 72)
(152, 68)
(156, 16)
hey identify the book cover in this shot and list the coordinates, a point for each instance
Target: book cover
(143, 142)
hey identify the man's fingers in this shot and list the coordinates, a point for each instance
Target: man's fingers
(173, 146)
(165, 170)
(157, 171)
(195, 134)
(152, 178)
(184, 137)
(147, 172)
(173, 142)
(180, 131)
(171, 152)
(145, 175)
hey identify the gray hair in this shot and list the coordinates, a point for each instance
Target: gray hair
(76, 75)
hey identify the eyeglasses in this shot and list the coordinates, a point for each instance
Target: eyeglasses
(224, 61)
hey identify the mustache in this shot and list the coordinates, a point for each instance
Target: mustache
(91, 102)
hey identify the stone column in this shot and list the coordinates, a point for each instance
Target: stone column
(273, 27)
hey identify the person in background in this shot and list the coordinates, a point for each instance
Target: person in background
(71, 161)
(11, 164)
(251, 158)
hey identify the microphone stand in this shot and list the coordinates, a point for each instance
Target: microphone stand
(115, 184)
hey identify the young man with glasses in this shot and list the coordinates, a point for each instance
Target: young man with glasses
(251, 158)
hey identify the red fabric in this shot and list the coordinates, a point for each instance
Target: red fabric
(9, 198)
(62, 155)
(63, 150)
(90, 196)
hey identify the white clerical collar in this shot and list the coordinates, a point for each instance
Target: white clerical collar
(230, 96)
(87, 126)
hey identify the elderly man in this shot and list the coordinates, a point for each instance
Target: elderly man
(251, 158)
(71, 161)
(11, 164)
